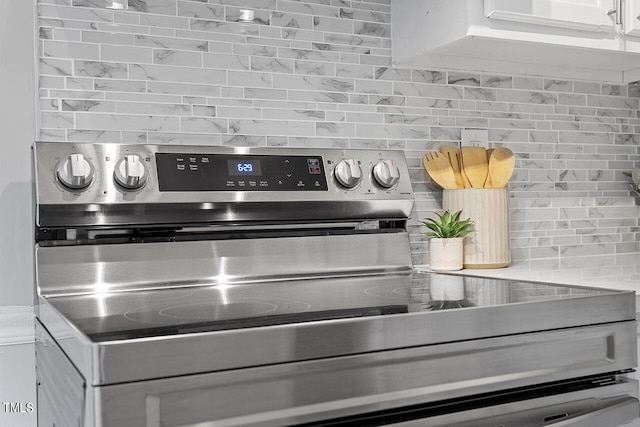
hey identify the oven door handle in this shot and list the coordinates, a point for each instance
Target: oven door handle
(614, 414)
(618, 411)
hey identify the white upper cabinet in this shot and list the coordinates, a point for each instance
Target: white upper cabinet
(586, 15)
(580, 39)
(631, 19)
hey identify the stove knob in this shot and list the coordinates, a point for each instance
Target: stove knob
(348, 173)
(386, 173)
(75, 172)
(130, 172)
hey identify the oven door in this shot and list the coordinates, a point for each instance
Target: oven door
(570, 377)
(595, 406)
(541, 377)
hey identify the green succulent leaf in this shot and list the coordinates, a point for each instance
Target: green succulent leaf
(448, 225)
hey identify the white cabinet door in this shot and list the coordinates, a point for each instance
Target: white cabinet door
(632, 17)
(585, 15)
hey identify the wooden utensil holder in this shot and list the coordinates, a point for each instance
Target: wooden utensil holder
(488, 246)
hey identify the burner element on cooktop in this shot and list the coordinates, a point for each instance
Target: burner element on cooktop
(207, 311)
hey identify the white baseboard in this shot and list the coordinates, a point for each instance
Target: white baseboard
(16, 325)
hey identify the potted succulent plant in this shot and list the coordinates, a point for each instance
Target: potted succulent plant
(446, 236)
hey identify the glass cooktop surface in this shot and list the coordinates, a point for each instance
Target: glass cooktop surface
(185, 309)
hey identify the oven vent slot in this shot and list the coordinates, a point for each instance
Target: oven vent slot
(71, 236)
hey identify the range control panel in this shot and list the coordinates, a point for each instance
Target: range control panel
(94, 184)
(232, 172)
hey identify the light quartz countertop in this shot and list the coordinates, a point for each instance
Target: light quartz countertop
(620, 271)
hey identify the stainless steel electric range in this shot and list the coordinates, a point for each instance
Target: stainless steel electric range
(209, 286)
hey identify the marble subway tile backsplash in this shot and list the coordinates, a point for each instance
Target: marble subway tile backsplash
(318, 73)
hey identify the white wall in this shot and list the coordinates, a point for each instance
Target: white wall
(17, 133)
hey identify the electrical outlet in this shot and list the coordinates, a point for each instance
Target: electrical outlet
(475, 138)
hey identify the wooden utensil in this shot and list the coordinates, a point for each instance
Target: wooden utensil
(501, 166)
(487, 183)
(474, 165)
(439, 169)
(465, 179)
(453, 154)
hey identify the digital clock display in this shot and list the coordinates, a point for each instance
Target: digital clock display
(240, 167)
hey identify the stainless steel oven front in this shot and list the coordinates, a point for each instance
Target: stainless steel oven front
(210, 286)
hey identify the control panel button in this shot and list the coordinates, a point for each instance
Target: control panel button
(386, 173)
(348, 173)
(130, 172)
(75, 172)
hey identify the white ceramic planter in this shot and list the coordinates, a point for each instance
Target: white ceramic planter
(445, 254)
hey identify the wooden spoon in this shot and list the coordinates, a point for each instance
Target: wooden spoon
(501, 166)
(439, 169)
(487, 183)
(453, 154)
(465, 180)
(475, 165)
